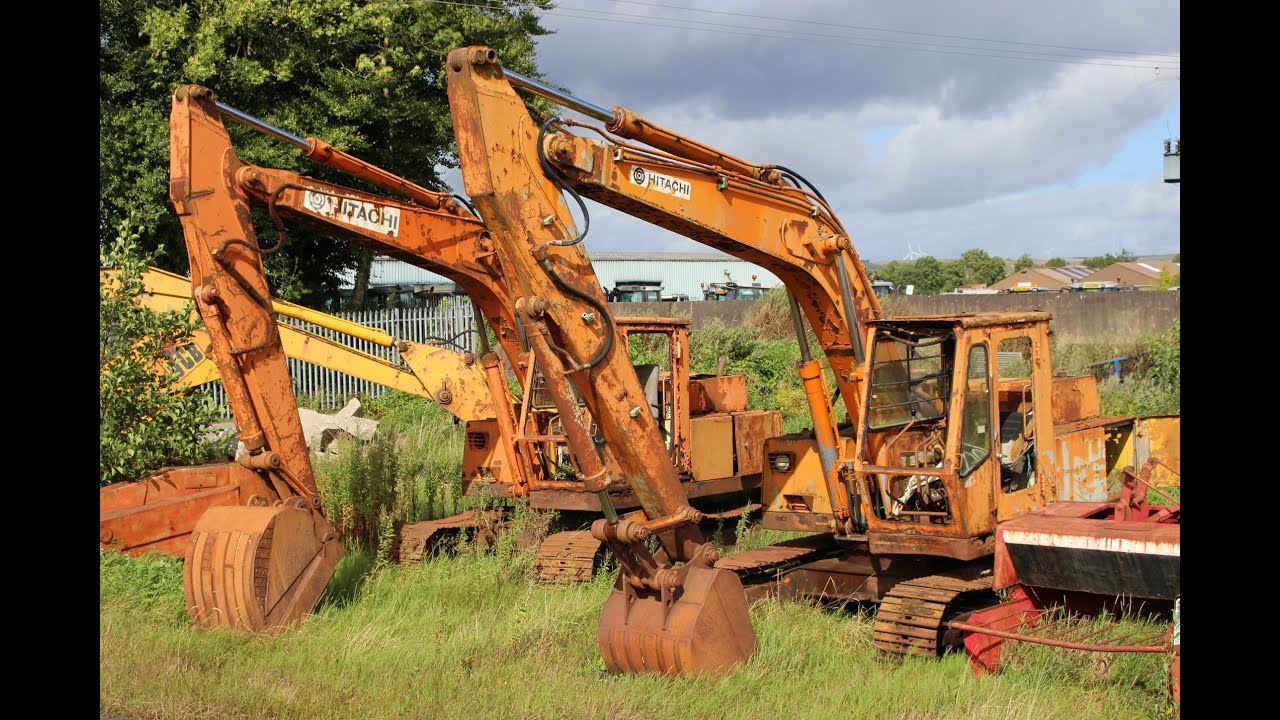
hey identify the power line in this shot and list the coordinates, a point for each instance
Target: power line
(885, 44)
(891, 30)
(862, 42)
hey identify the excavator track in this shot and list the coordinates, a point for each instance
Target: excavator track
(913, 616)
(414, 541)
(568, 557)
(754, 564)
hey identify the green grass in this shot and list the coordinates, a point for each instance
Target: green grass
(471, 636)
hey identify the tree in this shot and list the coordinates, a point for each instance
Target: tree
(143, 424)
(1056, 262)
(1177, 258)
(1101, 261)
(365, 75)
(1023, 262)
(976, 266)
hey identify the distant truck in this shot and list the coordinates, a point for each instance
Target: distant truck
(732, 291)
(1025, 287)
(1095, 286)
(636, 291)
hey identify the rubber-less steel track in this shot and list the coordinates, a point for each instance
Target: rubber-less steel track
(567, 557)
(913, 615)
(413, 541)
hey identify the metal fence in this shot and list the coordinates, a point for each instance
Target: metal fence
(449, 322)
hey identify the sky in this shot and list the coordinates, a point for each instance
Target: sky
(931, 127)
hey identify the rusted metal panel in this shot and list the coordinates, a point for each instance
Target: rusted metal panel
(797, 499)
(1163, 435)
(577, 500)
(712, 451)
(158, 512)
(160, 526)
(1075, 398)
(901, 543)
(750, 429)
(976, 320)
(1082, 463)
(455, 380)
(717, 394)
(653, 324)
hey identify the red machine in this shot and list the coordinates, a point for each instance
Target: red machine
(1084, 558)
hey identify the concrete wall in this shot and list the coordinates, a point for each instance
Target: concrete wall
(730, 312)
(1124, 314)
(1075, 315)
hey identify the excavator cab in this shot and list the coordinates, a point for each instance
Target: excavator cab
(947, 445)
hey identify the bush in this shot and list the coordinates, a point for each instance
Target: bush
(145, 423)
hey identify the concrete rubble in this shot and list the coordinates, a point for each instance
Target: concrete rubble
(320, 429)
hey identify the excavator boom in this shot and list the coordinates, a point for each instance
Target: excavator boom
(232, 575)
(663, 617)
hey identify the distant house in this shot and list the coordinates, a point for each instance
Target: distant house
(1135, 275)
(1041, 278)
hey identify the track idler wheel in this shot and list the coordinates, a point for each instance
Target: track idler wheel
(694, 623)
(258, 568)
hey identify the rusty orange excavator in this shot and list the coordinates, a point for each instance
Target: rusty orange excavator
(263, 565)
(943, 438)
(955, 423)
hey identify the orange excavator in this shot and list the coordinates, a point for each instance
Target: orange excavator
(954, 422)
(263, 565)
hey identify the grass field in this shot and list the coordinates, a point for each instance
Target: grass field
(470, 636)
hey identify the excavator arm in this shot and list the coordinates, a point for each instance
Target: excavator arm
(452, 379)
(262, 566)
(764, 214)
(213, 192)
(664, 617)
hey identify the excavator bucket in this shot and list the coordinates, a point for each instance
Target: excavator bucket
(701, 628)
(257, 568)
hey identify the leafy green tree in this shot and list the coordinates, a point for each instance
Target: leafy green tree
(1177, 257)
(1056, 262)
(1023, 262)
(927, 274)
(365, 75)
(976, 266)
(144, 424)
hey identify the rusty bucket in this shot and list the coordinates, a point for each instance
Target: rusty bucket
(700, 627)
(257, 568)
